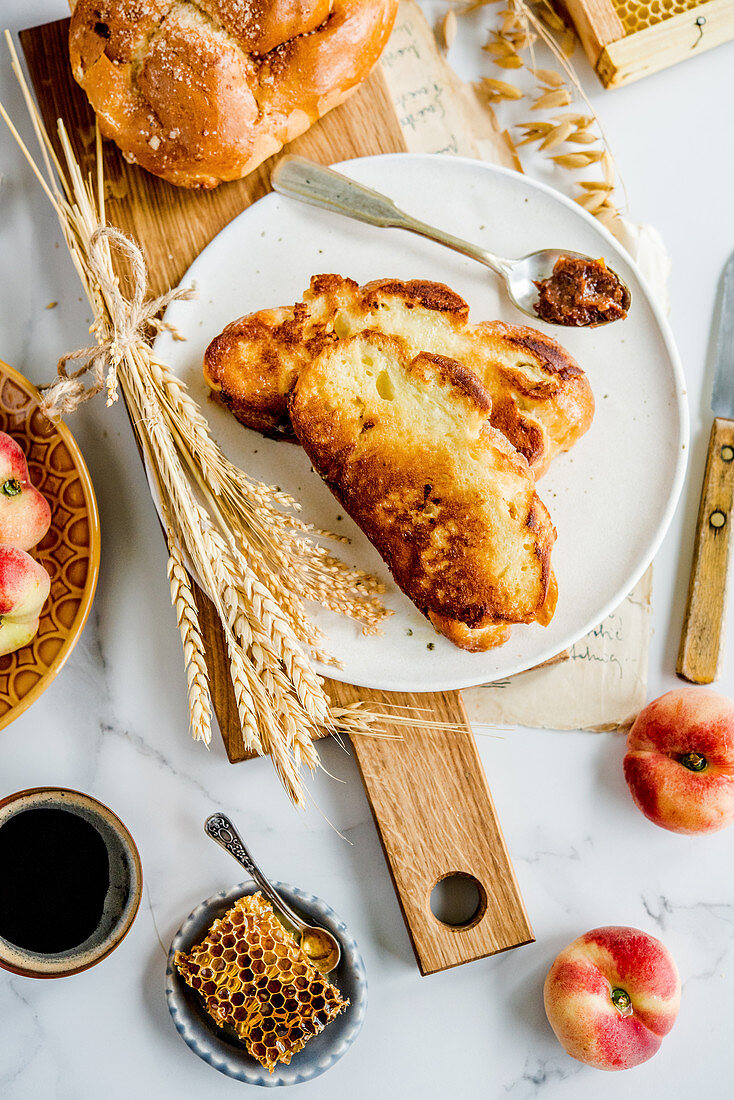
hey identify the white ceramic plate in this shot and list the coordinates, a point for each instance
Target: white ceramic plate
(611, 497)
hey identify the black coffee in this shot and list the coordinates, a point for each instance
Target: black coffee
(54, 877)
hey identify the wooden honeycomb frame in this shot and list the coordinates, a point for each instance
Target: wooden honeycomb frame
(627, 39)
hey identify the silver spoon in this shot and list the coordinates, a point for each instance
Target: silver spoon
(311, 183)
(322, 948)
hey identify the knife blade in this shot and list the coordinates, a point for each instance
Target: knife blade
(703, 625)
(722, 398)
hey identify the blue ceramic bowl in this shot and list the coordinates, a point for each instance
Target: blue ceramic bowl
(218, 1046)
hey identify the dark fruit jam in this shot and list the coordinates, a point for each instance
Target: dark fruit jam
(54, 877)
(581, 292)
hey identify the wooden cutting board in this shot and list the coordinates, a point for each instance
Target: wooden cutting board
(427, 790)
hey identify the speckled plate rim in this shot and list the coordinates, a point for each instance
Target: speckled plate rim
(239, 1064)
(85, 605)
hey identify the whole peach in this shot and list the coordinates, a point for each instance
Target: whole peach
(24, 588)
(611, 996)
(679, 764)
(25, 515)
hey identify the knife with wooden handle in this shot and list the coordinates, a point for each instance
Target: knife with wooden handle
(703, 626)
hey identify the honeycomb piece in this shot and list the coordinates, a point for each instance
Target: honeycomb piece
(636, 17)
(253, 976)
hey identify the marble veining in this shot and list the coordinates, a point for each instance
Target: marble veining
(536, 1076)
(114, 724)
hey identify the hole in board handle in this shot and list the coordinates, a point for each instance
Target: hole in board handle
(458, 900)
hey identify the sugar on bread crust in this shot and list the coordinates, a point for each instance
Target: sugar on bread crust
(405, 444)
(541, 398)
(200, 91)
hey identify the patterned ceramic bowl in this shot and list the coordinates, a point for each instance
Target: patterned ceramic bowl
(69, 552)
(221, 1049)
(122, 900)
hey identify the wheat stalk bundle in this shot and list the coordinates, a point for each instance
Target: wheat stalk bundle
(255, 558)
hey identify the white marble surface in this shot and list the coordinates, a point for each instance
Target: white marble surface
(114, 724)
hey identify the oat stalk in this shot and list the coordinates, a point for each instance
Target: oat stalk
(519, 25)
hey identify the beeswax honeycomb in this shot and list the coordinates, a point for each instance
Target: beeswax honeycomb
(252, 975)
(636, 17)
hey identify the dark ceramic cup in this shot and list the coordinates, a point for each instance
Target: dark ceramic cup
(123, 895)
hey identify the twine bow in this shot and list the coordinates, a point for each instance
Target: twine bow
(128, 324)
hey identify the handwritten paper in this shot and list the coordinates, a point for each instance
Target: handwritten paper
(601, 686)
(438, 113)
(601, 683)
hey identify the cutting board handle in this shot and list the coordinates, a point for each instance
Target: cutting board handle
(435, 816)
(703, 626)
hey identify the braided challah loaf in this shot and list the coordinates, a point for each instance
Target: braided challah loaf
(201, 91)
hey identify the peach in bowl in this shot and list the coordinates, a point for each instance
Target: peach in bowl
(43, 478)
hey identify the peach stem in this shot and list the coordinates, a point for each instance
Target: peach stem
(622, 1001)
(694, 761)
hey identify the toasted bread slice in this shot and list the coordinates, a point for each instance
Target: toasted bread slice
(405, 444)
(541, 399)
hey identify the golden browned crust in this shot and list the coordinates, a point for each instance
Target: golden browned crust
(200, 91)
(480, 639)
(415, 292)
(281, 343)
(405, 444)
(450, 372)
(477, 640)
(541, 398)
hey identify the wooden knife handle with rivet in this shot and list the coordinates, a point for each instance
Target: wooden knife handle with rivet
(703, 626)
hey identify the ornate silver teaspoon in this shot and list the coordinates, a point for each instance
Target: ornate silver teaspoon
(322, 948)
(302, 179)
